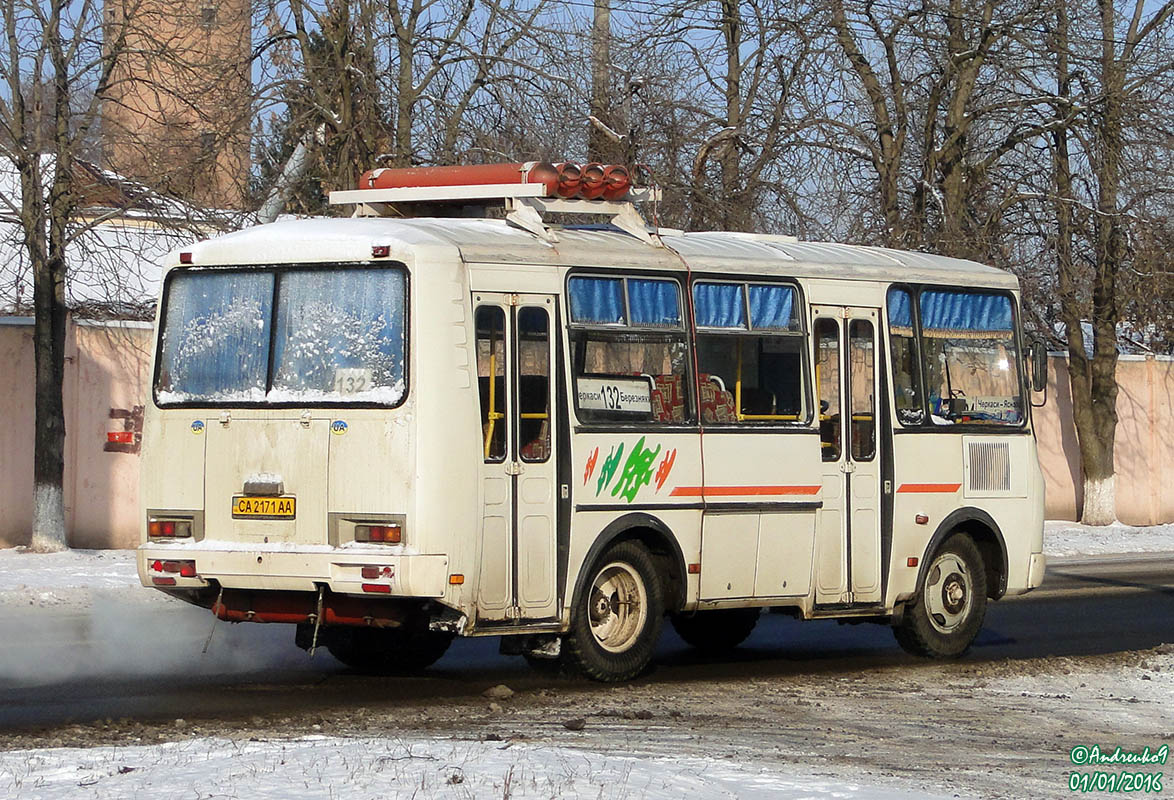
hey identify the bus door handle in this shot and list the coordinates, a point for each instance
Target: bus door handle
(847, 467)
(513, 468)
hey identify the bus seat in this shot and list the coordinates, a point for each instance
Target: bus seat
(668, 398)
(717, 405)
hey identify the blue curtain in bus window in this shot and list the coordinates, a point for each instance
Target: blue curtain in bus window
(599, 300)
(216, 336)
(772, 307)
(965, 312)
(719, 305)
(653, 303)
(900, 309)
(340, 332)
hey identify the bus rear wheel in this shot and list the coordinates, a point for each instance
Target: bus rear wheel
(386, 651)
(944, 618)
(716, 631)
(616, 621)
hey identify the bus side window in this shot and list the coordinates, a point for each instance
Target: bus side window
(861, 361)
(750, 354)
(490, 322)
(533, 384)
(904, 358)
(827, 380)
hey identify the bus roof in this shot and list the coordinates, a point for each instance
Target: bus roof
(496, 242)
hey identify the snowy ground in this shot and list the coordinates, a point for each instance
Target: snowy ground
(1066, 539)
(326, 767)
(812, 731)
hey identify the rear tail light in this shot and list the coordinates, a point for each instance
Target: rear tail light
(185, 569)
(384, 534)
(169, 528)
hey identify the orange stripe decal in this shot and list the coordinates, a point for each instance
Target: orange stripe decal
(928, 488)
(743, 491)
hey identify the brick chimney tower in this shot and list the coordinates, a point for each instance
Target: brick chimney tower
(177, 115)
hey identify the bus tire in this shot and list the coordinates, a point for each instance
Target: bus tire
(716, 631)
(616, 621)
(945, 616)
(387, 651)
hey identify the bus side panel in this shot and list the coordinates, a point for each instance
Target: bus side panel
(644, 472)
(927, 481)
(447, 501)
(938, 473)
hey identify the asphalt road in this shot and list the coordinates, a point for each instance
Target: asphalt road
(146, 661)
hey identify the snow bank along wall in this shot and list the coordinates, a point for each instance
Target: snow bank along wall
(107, 378)
(107, 375)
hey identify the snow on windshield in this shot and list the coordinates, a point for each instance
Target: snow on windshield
(216, 339)
(338, 337)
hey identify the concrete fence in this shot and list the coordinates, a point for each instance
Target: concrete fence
(106, 379)
(107, 376)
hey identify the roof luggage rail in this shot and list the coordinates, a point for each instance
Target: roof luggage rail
(526, 191)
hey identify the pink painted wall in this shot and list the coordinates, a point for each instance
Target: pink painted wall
(106, 367)
(109, 368)
(1144, 453)
(16, 434)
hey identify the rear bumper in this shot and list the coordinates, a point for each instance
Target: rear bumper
(261, 568)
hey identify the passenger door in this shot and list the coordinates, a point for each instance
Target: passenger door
(848, 556)
(515, 354)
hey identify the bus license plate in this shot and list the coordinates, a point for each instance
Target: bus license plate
(252, 507)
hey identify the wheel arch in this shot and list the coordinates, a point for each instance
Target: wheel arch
(661, 543)
(988, 538)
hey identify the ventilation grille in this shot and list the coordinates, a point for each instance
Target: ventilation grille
(990, 467)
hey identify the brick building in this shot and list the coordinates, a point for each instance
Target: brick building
(177, 115)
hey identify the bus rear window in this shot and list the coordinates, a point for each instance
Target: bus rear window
(305, 336)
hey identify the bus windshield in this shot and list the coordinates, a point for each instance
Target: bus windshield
(314, 335)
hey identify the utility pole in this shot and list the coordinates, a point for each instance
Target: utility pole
(602, 144)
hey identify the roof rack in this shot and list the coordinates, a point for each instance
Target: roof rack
(543, 189)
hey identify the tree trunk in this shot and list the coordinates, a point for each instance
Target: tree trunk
(49, 439)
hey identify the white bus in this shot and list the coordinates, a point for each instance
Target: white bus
(393, 431)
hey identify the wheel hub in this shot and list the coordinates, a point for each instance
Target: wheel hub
(954, 593)
(948, 593)
(618, 608)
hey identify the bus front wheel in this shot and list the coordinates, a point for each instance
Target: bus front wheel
(946, 615)
(616, 621)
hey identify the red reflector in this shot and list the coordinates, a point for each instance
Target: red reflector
(381, 588)
(380, 251)
(185, 258)
(370, 572)
(121, 437)
(163, 581)
(187, 569)
(911, 562)
(921, 519)
(695, 569)
(156, 566)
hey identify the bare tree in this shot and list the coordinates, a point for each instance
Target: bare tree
(55, 56)
(1120, 72)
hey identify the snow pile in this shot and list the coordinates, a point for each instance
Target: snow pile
(324, 767)
(1063, 538)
